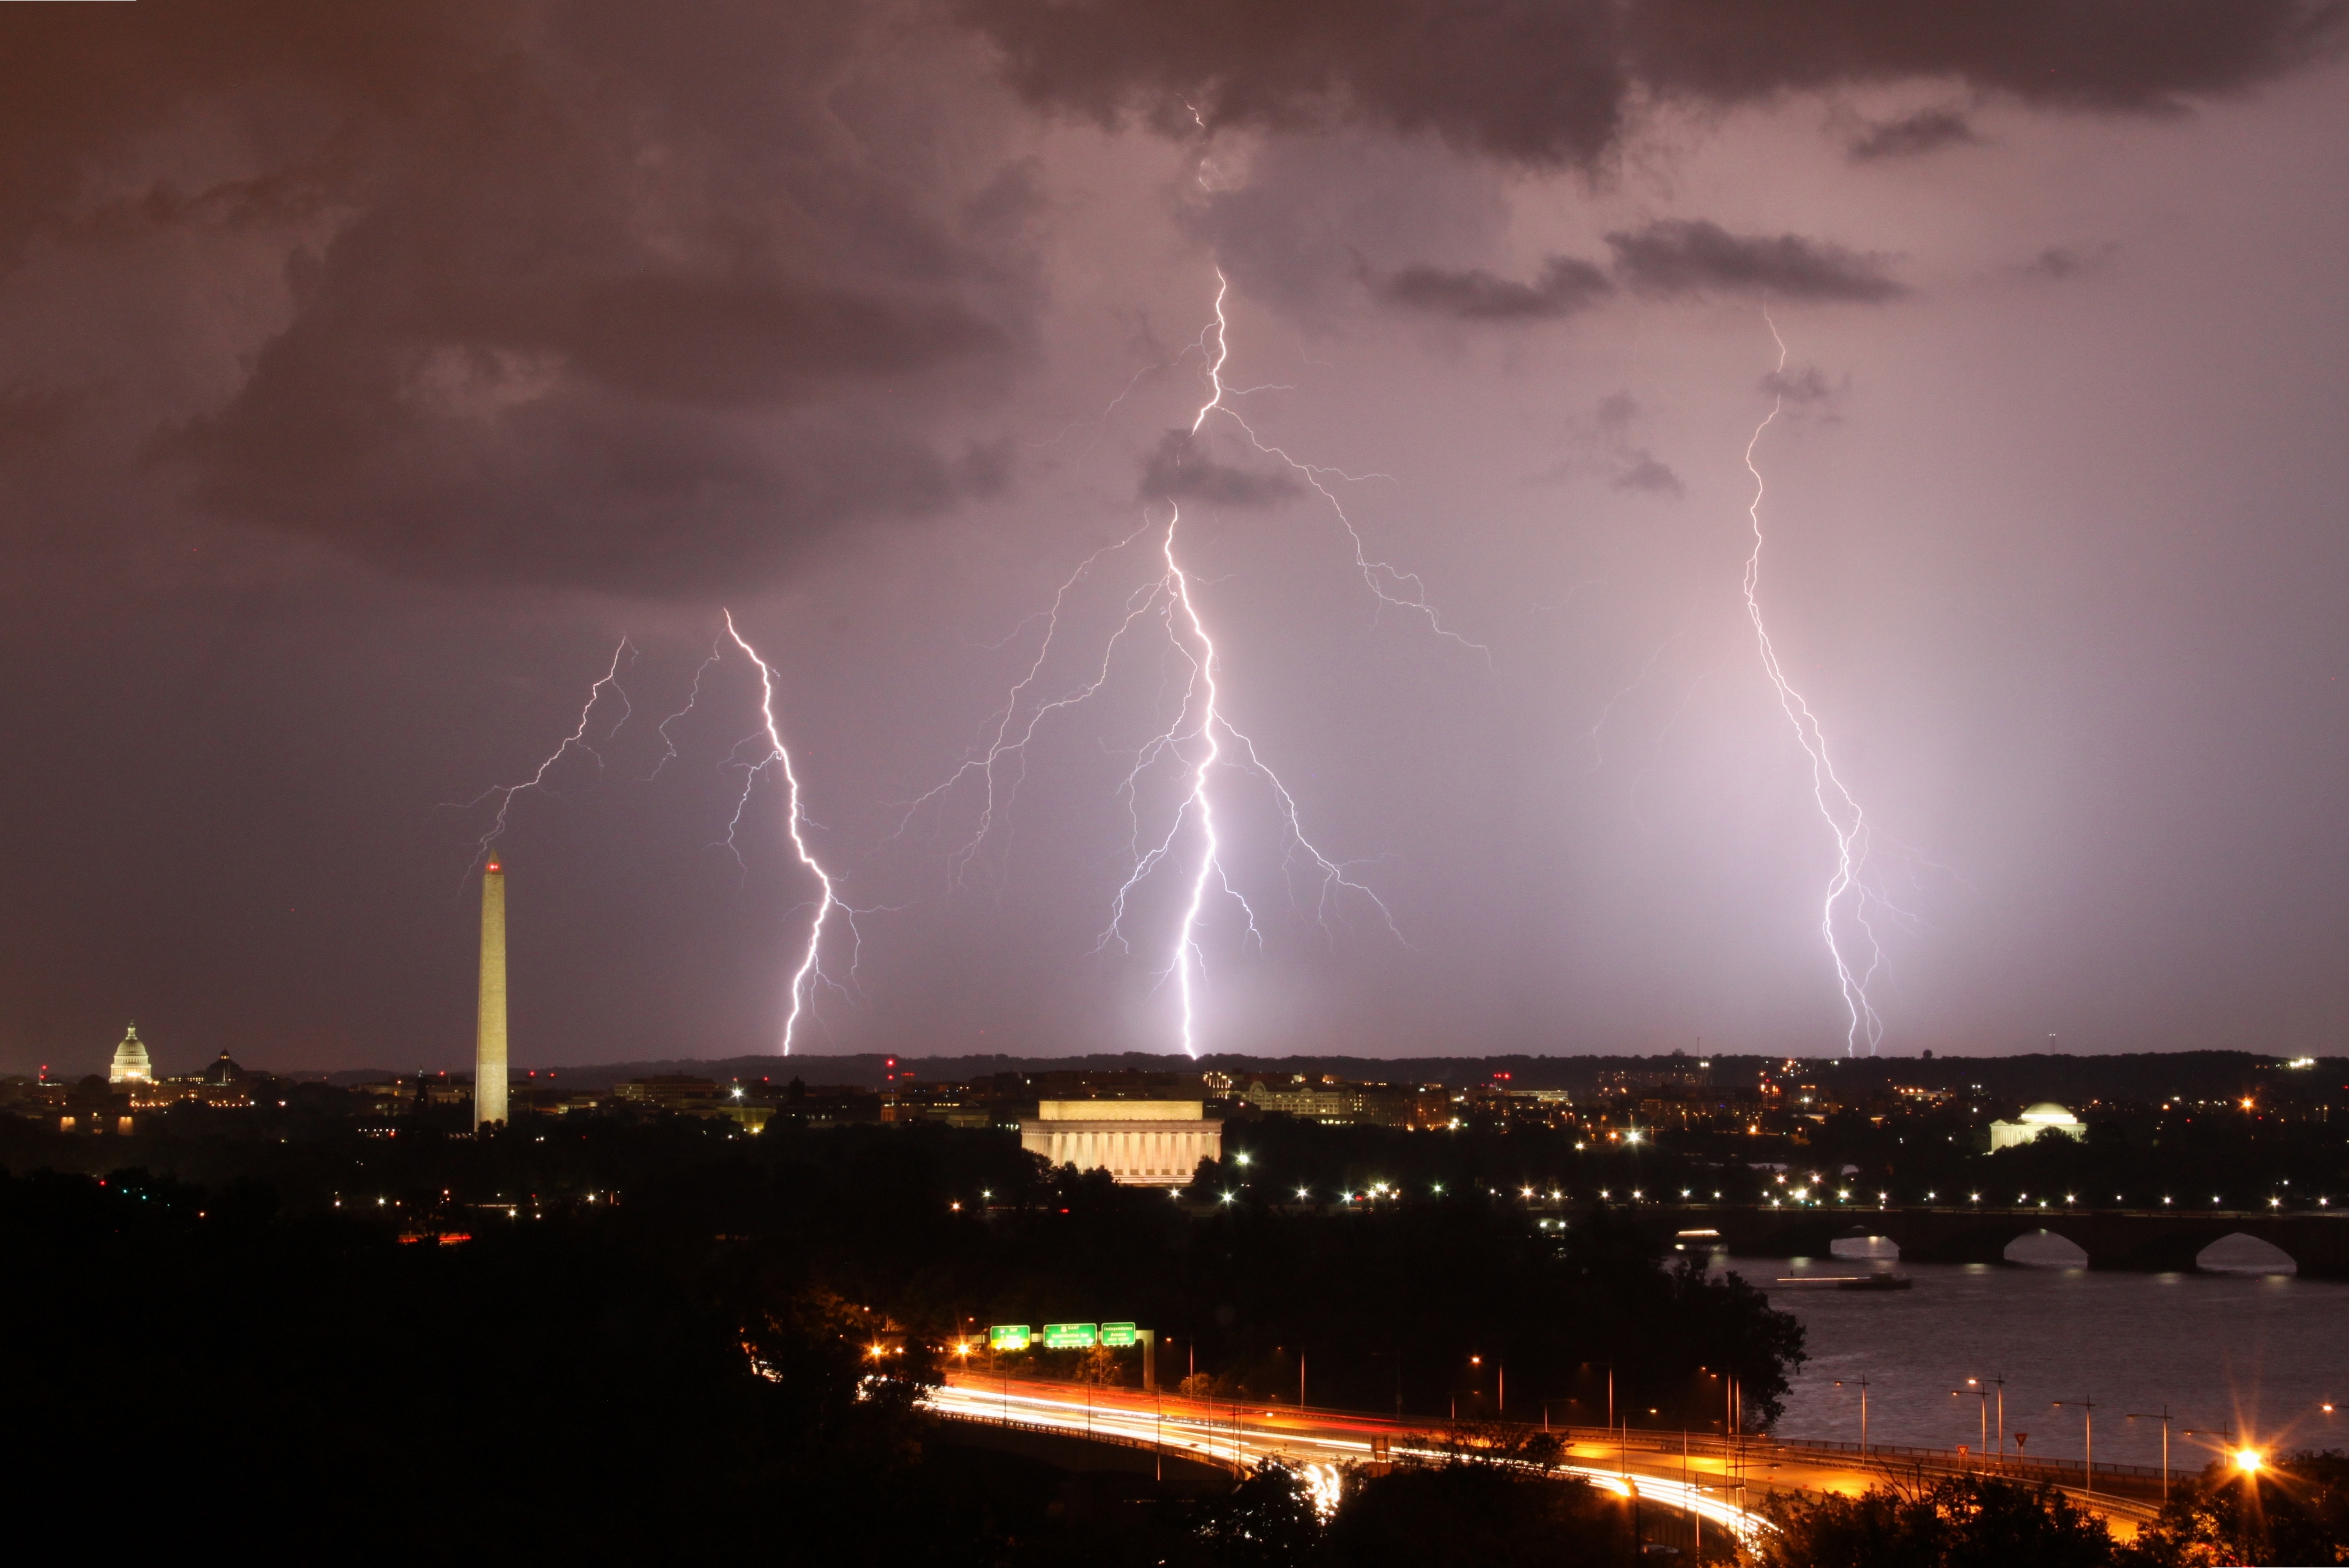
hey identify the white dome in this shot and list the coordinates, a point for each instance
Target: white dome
(2050, 1112)
(131, 1064)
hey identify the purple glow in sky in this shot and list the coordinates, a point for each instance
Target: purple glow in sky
(366, 377)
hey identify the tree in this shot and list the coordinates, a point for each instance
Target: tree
(2295, 1509)
(1965, 1521)
(1267, 1521)
(1475, 1512)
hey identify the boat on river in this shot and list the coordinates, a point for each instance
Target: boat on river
(1851, 1281)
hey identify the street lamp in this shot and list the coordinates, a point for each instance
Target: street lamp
(2087, 1408)
(1863, 1415)
(1982, 1395)
(2162, 1417)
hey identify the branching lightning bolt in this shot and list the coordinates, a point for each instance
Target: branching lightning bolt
(577, 739)
(810, 971)
(1409, 593)
(1015, 724)
(692, 700)
(1838, 807)
(1200, 738)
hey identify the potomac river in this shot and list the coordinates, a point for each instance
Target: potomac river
(2259, 1355)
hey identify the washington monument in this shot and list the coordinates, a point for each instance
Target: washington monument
(489, 1040)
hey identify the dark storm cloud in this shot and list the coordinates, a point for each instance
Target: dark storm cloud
(1924, 131)
(578, 296)
(1178, 470)
(1681, 256)
(1566, 286)
(2059, 264)
(1804, 384)
(1671, 258)
(1643, 472)
(1556, 81)
(1635, 467)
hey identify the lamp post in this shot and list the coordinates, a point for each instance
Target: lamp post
(2164, 1418)
(2087, 1408)
(1863, 1415)
(1983, 1395)
(2000, 1383)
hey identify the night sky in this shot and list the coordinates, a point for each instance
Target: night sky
(369, 373)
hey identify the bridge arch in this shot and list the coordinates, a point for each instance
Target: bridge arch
(2046, 1249)
(2238, 1253)
(1859, 1242)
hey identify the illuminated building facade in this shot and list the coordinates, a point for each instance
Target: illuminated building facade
(1337, 1101)
(1140, 1143)
(2039, 1118)
(224, 1085)
(131, 1064)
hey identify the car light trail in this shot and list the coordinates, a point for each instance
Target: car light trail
(1237, 1435)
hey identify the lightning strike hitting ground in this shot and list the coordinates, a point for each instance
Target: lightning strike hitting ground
(1838, 808)
(577, 738)
(810, 971)
(1200, 739)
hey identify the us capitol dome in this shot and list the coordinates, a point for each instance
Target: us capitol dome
(132, 1063)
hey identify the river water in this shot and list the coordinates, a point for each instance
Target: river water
(2258, 1354)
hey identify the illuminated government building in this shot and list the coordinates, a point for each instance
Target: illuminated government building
(2044, 1117)
(1140, 1143)
(131, 1064)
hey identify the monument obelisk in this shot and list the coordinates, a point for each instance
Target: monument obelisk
(490, 1039)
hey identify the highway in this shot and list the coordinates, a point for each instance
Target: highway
(1694, 1474)
(1318, 1442)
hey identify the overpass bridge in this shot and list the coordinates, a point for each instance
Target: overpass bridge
(2152, 1240)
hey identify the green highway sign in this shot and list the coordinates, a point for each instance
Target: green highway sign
(1118, 1336)
(1068, 1336)
(1008, 1336)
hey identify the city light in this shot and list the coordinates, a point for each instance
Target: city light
(2249, 1460)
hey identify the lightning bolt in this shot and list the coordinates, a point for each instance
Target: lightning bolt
(1012, 731)
(1388, 584)
(1838, 808)
(810, 971)
(1200, 739)
(577, 739)
(692, 700)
